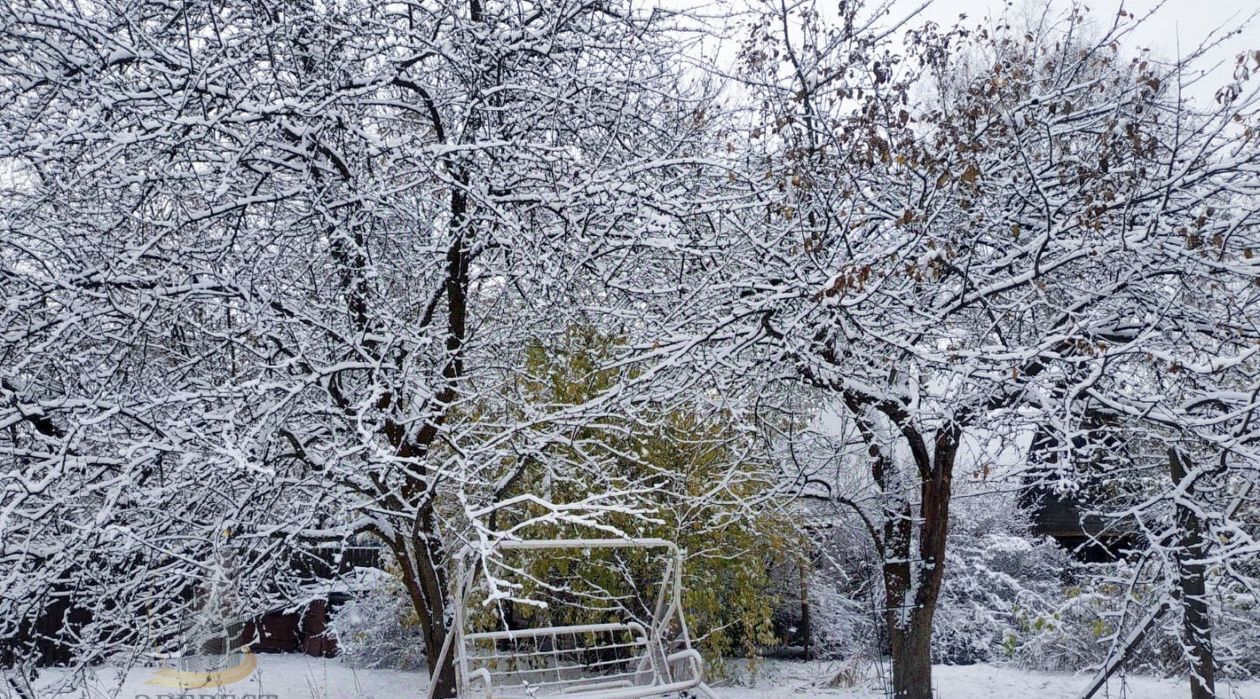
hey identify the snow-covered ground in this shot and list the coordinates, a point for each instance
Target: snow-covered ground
(783, 679)
(303, 677)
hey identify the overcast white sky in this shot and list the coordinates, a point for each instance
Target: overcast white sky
(1176, 22)
(1189, 20)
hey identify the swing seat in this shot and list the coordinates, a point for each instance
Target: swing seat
(521, 675)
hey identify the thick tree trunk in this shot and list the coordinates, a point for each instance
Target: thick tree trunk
(425, 583)
(1197, 631)
(913, 590)
(444, 679)
(912, 575)
(912, 657)
(1196, 623)
(909, 615)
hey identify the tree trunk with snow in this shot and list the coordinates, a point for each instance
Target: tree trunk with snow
(912, 606)
(1196, 622)
(912, 657)
(911, 546)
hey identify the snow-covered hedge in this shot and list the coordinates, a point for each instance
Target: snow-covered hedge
(377, 629)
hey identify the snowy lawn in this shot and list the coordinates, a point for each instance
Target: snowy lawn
(304, 677)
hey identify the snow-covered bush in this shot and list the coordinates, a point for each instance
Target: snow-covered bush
(377, 628)
(995, 571)
(841, 626)
(992, 582)
(843, 586)
(1069, 636)
(1237, 641)
(1079, 632)
(998, 580)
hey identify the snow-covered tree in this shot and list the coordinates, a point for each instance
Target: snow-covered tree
(260, 261)
(953, 234)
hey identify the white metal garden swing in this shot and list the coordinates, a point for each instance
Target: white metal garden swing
(625, 659)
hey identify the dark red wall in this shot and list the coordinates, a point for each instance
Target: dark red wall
(292, 632)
